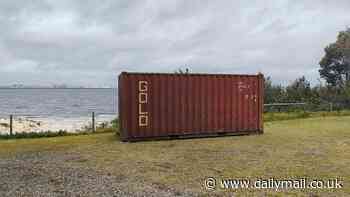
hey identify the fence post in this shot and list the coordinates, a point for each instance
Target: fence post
(330, 107)
(93, 122)
(11, 125)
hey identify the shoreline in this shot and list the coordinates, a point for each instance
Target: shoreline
(6, 88)
(53, 124)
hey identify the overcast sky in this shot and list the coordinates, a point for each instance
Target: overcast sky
(89, 42)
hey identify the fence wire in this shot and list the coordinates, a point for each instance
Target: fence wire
(25, 123)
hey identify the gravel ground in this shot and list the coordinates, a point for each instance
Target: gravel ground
(50, 174)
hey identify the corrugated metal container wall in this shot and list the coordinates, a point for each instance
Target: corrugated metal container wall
(155, 106)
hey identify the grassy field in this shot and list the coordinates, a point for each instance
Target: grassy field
(313, 148)
(278, 116)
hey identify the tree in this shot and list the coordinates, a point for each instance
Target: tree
(299, 90)
(335, 65)
(335, 69)
(273, 93)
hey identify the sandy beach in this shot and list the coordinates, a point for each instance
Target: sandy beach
(54, 124)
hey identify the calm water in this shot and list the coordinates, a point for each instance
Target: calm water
(57, 102)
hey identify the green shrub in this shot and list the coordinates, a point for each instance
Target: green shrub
(36, 135)
(115, 125)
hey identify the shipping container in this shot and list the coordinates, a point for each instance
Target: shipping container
(162, 106)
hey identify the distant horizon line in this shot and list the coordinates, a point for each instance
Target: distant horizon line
(55, 88)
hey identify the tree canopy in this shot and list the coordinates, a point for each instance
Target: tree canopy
(335, 65)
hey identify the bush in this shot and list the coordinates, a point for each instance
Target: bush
(115, 123)
(36, 135)
(115, 126)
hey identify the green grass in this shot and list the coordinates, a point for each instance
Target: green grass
(49, 134)
(315, 148)
(268, 117)
(278, 116)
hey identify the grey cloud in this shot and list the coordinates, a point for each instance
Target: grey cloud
(88, 42)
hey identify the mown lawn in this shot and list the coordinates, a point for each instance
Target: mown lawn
(313, 148)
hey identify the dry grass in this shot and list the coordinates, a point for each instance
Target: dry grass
(315, 148)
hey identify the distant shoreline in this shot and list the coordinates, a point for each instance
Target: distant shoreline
(4, 88)
(53, 124)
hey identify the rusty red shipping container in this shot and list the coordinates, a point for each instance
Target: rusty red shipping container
(153, 106)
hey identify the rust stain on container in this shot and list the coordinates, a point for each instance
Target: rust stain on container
(153, 106)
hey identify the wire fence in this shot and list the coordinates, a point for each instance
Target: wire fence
(303, 106)
(31, 123)
(11, 124)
